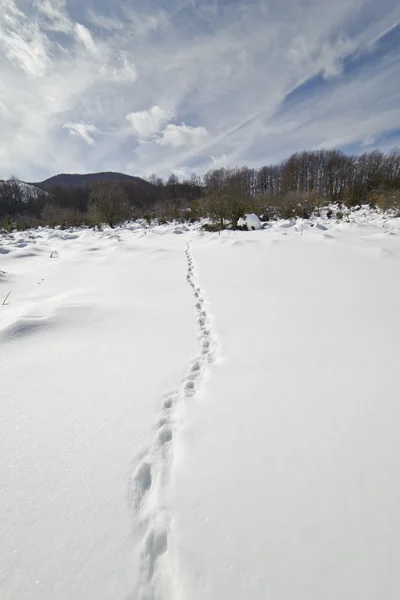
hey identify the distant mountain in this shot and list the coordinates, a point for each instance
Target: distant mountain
(67, 187)
(80, 181)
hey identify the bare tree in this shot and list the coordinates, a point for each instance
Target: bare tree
(154, 179)
(217, 208)
(171, 185)
(110, 202)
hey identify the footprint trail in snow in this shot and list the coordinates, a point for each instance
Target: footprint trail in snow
(148, 484)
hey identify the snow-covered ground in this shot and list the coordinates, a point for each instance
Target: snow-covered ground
(194, 416)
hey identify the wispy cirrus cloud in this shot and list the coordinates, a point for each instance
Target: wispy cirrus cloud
(185, 85)
(26, 49)
(119, 68)
(53, 15)
(83, 35)
(82, 130)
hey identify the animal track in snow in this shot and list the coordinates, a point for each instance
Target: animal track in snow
(206, 343)
(196, 366)
(164, 434)
(141, 483)
(149, 480)
(169, 402)
(190, 387)
(156, 544)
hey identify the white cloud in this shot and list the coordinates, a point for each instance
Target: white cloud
(145, 23)
(139, 23)
(11, 13)
(183, 135)
(146, 123)
(26, 49)
(120, 69)
(83, 34)
(81, 130)
(232, 72)
(55, 16)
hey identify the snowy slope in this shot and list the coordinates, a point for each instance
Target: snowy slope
(193, 416)
(31, 191)
(28, 191)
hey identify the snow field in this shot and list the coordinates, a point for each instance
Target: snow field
(86, 356)
(194, 416)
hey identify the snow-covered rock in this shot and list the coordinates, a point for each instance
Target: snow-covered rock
(252, 222)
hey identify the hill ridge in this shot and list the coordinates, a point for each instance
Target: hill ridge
(85, 179)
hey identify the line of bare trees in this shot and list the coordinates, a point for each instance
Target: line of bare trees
(299, 186)
(329, 173)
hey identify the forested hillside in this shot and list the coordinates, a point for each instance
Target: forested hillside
(299, 186)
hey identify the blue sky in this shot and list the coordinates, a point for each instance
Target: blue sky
(184, 85)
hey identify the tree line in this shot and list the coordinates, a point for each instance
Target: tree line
(302, 185)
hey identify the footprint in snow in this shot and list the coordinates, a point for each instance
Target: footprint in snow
(196, 366)
(164, 435)
(189, 387)
(155, 544)
(168, 403)
(141, 483)
(170, 400)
